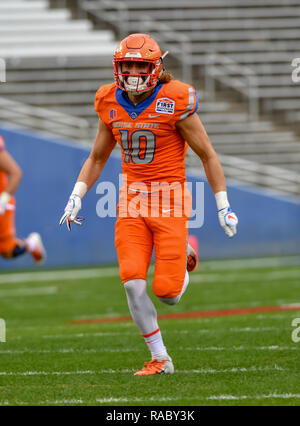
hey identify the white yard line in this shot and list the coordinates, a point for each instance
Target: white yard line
(253, 329)
(250, 276)
(251, 369)
(246, 304)
(206, 266)
(212, 397)
(224, 329)
(263, 262)
(65, 351)
(225, 397)
(240, 348)
(65, 275)
(37, 291)
(201, 331)
(129, 333)
(255, 397)
(128, 350)
(45, 373)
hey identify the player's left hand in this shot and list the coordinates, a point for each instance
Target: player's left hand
(71, 211)
(2, 209)
(4, 199)
(228, 220)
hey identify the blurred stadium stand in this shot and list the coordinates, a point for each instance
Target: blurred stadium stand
(237, 53)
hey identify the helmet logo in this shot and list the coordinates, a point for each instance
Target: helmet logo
(133, 55)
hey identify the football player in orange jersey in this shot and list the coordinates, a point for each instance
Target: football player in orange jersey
(10, 246)
(153, 118)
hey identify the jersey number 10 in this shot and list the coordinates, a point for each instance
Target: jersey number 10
(131, 145)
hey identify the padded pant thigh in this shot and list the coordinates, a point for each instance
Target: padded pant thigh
(170, 243)
(134, 244)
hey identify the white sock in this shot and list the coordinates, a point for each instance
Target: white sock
(144, 315)
(155, 344)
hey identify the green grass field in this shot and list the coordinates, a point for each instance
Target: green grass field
(222, 360)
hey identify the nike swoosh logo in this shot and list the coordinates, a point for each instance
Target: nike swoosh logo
(167, 211)
(153, 116)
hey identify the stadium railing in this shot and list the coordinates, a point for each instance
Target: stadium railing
(175, 4)
(116, 13)
(165, 36)
(253, 173)
(108, 11)
(234, 75)
(47, 120)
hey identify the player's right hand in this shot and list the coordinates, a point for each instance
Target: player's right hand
(71, 211)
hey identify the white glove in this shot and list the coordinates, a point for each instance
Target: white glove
(228, 220)
(4, 199)
(71, 211)
(74, 205)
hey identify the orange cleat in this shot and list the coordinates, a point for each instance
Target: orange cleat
(164, 366)
(36, 248)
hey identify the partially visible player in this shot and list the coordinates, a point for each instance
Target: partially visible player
(10, 246)
(153, 118)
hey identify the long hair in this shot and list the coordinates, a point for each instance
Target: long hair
(165, 76)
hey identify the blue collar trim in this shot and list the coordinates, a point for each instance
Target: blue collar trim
(132, 110)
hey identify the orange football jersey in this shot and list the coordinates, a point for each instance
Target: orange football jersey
(3, 178)
(152, 148)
